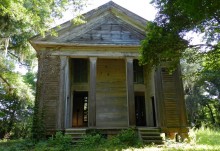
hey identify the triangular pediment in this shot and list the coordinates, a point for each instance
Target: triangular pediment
(110, 31)
(109, 24)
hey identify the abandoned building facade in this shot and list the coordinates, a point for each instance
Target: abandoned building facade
(89, 77)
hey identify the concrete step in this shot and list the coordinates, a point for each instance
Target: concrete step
(158, 142)
(76, 133)
(152, 138)
(150, 135)
(76, 130)
(149, 130)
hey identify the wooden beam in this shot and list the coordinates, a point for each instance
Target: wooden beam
(130, 92)
(92, 92)
(103, 54)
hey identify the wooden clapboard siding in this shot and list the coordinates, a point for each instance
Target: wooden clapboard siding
(170, 99)
(111, 101)
(48, 83)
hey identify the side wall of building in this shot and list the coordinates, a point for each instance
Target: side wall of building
(171, 103)
(48, 88)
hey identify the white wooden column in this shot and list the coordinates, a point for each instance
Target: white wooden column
(92, 92)
(62, 98)
(67, 95)
(130, 92)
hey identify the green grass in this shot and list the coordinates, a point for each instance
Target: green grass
(201, 140)
(208, 137)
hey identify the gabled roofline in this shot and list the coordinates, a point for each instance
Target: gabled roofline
(116, 9)
(113, 6)
(108, 6)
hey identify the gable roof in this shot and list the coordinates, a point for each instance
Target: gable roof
(125, 28)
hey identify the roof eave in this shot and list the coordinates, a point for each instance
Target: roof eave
(38, 45)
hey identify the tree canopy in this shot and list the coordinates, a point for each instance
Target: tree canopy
(164, 37)
(19, 21)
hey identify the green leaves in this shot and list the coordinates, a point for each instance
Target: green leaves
(22, 19)
(174, 19)
(161, 45)
(202, 89)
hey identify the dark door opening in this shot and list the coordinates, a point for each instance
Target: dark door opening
(154, 111)
(80, 109)
(140, 110)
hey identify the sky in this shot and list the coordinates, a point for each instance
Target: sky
(142, 8)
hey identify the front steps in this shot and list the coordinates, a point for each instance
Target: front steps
(150, 135)
(146, 134)
(76, 133)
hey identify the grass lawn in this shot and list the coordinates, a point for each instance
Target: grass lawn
(202, 139)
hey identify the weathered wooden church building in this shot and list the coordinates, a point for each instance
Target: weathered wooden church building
(89, 77)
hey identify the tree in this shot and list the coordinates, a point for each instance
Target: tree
(19, 21)
(16, 102)
(202, 89)
(174, 19)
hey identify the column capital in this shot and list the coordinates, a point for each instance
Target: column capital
(92, 58)
(63, 57)
(129, 59)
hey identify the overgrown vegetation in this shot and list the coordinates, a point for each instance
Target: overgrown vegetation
(16, 103)
(126, 138)
(201, 139)
(93, 141)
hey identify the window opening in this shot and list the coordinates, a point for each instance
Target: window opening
(138, 73)
(80, 70)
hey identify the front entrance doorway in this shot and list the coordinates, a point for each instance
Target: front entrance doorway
(140, 109)
(80, 109)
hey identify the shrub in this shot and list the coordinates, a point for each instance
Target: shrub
(16, 145)
(91, 140)
(128, 137)
(60, 142)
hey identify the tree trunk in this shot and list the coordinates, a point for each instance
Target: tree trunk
(211, 113)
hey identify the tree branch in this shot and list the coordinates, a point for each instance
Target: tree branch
(18, 58)
(5, 81)
(203, 45)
